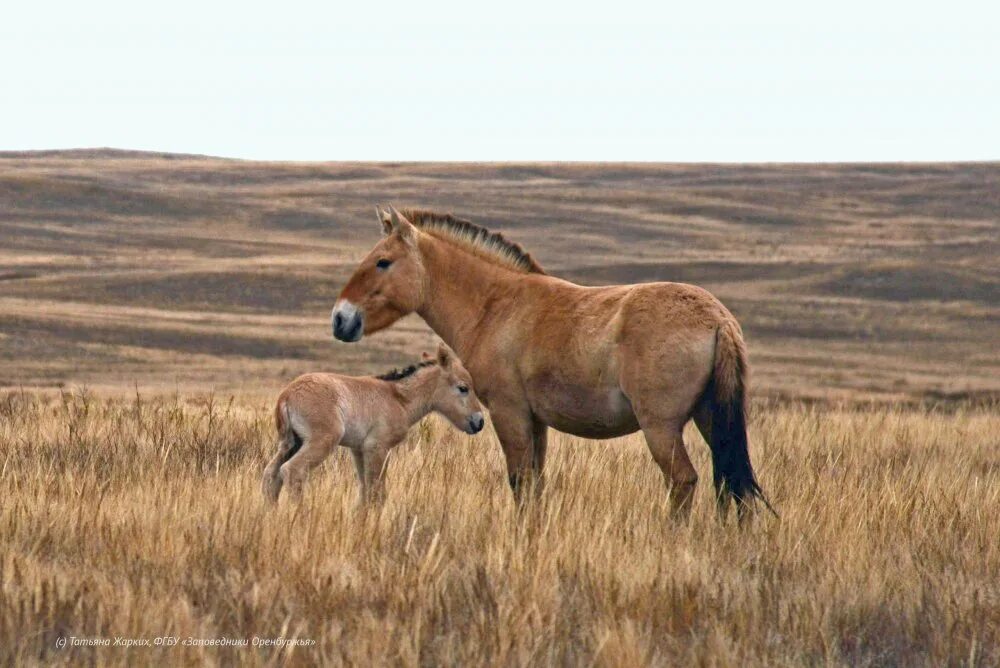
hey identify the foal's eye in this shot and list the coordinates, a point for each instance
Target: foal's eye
(383, 264)
(463, 389)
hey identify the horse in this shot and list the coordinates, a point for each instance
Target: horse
(368, 414)
(596, 362)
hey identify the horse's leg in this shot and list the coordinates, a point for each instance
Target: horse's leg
(666, 443)
(315, 448)
(517, 438)
(663, 378)
(540, 438)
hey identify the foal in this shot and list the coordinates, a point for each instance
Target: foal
(367, 414)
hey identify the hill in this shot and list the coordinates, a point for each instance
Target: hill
(128, 268)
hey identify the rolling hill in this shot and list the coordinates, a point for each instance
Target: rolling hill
(122, 269)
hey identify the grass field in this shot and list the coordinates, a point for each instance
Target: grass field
(142, 518)
(151, 306)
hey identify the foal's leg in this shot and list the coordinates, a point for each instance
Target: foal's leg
(271, 481)
(315, 448)
(359, 468)
(370, 463)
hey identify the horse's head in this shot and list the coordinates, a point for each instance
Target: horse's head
(454, 397)
(388, 284)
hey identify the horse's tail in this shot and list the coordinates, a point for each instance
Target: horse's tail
(726, 395)
(289, 442)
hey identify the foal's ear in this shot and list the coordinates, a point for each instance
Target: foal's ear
(426, 356)
(445, 355)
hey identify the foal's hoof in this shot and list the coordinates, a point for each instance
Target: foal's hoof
(271, 489)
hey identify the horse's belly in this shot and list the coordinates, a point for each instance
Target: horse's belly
(590, 413)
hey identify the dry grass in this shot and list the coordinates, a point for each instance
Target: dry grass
(142, 518)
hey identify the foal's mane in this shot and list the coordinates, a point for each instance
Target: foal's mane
(474, 238)
(400, 374)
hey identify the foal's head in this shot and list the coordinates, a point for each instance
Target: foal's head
(453, 394)
(388, 284)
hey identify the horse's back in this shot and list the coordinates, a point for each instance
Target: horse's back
(680, 305)
(654, 338)
(594, 320)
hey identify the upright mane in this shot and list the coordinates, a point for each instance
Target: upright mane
(474, 238)
(400, 374)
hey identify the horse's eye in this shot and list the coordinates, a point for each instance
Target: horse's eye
(463, 389)
(383, 264)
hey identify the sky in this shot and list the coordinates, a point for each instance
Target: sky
(689, 82)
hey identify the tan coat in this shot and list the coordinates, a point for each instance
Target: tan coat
(592, 361)
(369, 415)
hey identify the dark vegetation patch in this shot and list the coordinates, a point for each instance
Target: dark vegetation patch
(834, 330)
(203, 343)
(258, 292)
(33, 341)
(79, 237)
(524, 173)
(821, 319)
(16, 275)
(80, 197)
(904, 284)
(297, 220)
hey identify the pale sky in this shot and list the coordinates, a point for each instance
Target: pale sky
(699, 81)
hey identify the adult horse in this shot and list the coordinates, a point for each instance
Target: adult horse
(596, 362)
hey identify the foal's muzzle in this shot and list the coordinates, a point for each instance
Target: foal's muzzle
(475, 423)
(348, 322)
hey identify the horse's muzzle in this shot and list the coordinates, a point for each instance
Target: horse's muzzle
(348, 322)
(475, 423)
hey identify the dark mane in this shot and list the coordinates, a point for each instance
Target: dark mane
(400, 374)
(476, 237)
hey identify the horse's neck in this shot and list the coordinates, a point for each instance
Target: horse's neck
(461, 287)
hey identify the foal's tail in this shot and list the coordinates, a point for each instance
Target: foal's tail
(726, 398)
(289, 443)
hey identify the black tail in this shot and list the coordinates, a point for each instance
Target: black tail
(732, 472)
(726, 399)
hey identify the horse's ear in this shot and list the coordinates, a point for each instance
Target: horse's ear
(404, 228)
(385, 219)
(445, 355)
(426, 356)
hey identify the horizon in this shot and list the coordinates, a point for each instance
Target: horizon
(110, 151)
